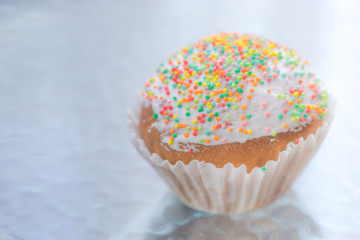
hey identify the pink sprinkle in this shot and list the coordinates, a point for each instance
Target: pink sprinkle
(275, 67)
(223, 140)
(275, 75)
(243, 123)
(267, 129)
(247, 80)
(267, 114)
(284, 110)
(265, 74)
(239, 98)
(264, 104)
(203, 101)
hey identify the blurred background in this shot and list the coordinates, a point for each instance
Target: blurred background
(69, 71)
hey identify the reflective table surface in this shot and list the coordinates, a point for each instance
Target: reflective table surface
(69, 71)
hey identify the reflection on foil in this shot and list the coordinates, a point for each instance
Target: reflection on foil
(174, 220)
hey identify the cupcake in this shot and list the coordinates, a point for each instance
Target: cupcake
(230, 121)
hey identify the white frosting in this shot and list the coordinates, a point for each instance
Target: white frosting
(264, 107)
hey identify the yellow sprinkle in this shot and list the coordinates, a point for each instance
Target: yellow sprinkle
(225, 90)
(175, 116)
(296, 94)
(176, 126)
(218, 85)
(293, 118)
(194, 122)
(249, 131)
(212, 94)
(179, 101)
(170, 142)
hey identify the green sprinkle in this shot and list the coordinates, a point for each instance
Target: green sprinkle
(236, 107)
(174, 135)
(280, 116)
(263, 168)
(201, 140)
(187, 114)
(216, 114)
(155, 115)
(273, 134)
(248, 116)
(208, 133)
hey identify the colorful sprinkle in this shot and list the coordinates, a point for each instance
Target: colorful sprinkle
(217, 82)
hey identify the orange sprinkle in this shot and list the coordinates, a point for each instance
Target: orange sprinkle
(248, 97)
(207, 140)
(230, 129)
(211, 115)
(298, 100)
(243, 117)
(251, 90)
(172, 138)
(218, 100)
(165, 113)
(217, 118)
(214, 128)
(258, 79)
(291, 102)
(243, 107)
(269, 90)
(186, 134)
(225, 99)
(172, 131)
(313, 116)
(195, 129)
(216, 138)
(166, 121)
(195, 106)
(284, 125)
(240, 130)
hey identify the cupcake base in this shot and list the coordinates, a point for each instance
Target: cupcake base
(230, 189)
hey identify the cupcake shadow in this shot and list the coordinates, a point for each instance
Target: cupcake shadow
(281, 220)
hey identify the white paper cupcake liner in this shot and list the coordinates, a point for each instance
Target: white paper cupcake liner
(230, 190)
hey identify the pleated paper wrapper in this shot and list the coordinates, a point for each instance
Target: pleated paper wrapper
(230, 190)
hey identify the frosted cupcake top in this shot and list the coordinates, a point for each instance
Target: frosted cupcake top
(231, 88)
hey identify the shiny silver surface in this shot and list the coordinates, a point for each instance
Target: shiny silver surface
(70, 69)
